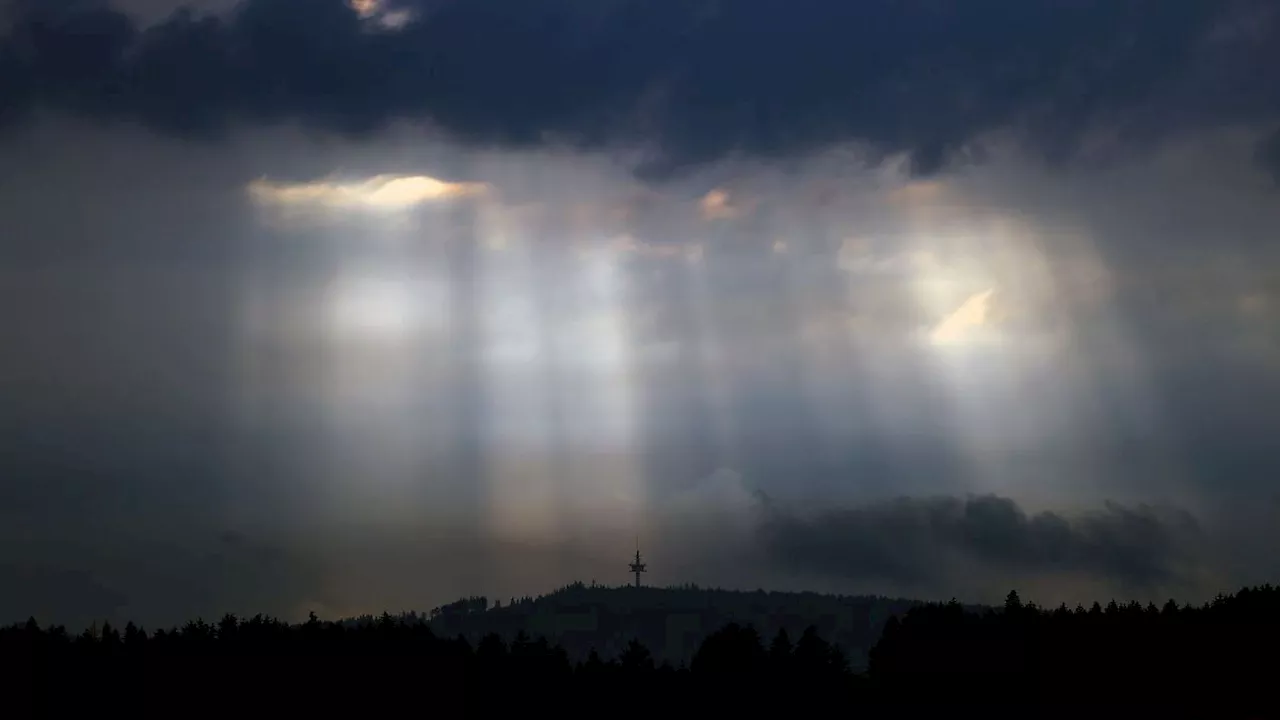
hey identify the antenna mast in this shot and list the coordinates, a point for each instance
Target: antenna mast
(638, 566)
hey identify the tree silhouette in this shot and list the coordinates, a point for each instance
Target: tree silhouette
(1015, 661)
(780, 650)
(636, 658)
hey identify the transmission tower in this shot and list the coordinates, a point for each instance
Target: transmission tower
(638, 566)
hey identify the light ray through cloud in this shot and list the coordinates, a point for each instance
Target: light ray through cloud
(884, 337)
(336, 276)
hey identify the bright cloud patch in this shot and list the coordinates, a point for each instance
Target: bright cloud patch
(717, 205)
(381, 192)
(375, 11)
(973, 314)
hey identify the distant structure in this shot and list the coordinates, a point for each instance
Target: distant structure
(638, 567)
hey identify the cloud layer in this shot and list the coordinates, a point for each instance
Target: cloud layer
(916, 542)
(685, 81)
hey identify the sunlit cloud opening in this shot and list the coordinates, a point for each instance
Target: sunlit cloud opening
(717, 205)
(974, 313)
(387, 193)
(375, 11)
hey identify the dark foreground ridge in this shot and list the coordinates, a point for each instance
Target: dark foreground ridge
(1218, 660)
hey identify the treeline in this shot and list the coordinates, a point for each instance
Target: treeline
(262, 666)
(1215, 660)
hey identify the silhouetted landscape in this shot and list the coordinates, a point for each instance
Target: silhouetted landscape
(671, 622)
(1213, 660)
(340, 340)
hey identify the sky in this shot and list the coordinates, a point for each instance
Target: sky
(316, 305)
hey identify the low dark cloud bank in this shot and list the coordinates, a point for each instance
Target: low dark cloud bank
(118, 575)
(689, 81)
(73, 597)
(913, 542)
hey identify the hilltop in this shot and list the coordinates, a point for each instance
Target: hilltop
(670, 621)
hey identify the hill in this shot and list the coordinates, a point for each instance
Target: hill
(672, 622)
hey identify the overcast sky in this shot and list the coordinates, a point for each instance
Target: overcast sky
(350, 307)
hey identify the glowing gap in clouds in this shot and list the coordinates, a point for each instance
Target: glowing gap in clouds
(717, 205)
(972, 314)
(378, 193)
(375, 11)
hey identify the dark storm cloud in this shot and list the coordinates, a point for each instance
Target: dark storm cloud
(693, 81)
(916, 541)
(63, 596)
(149, 573)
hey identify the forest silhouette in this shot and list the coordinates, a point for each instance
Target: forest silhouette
(1214, 660)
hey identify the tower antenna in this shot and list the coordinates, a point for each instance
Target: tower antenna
(638, 566)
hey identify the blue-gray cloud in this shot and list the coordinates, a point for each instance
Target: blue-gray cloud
(692, 81)
(912, 542)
